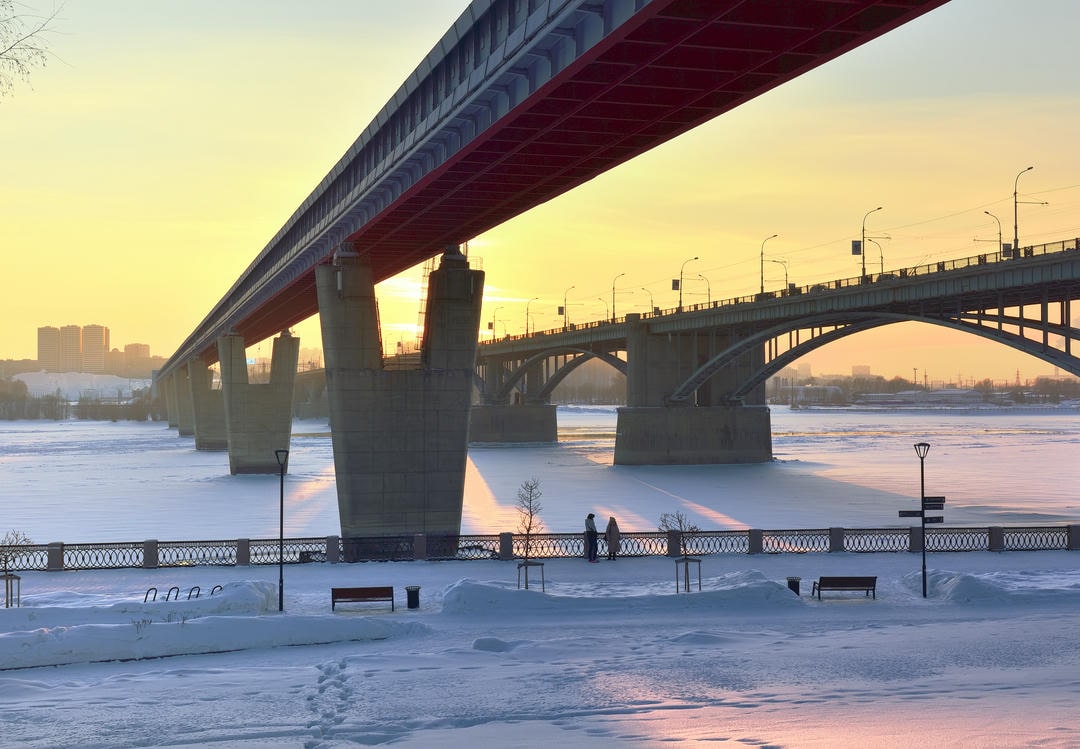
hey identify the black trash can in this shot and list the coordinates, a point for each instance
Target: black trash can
(412, 593)
(793, 585)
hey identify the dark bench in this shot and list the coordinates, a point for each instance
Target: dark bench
(868, 584)
(361, 595)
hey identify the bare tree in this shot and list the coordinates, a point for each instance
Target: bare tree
(528, 508)
(676, 521)
(23, 43)
(9, 547)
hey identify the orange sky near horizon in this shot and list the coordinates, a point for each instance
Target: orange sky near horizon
(148, 165)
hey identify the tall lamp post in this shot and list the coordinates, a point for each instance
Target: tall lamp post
(652, 307)
(881, 255)
(527, 313)
(282, 461)
(921, 449)
(681, 267)
(999, 230)
(607, 312)
(493, 318)
(1016, 231)
(708, 289)
(773, 236)
(863, 246)
(613, 295)
(565, 323)
(783, 263)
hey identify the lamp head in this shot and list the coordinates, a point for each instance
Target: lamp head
(921, 449)
(282, 457)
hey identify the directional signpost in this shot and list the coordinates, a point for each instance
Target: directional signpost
(928, 504)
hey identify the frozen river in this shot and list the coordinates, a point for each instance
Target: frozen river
(101, 481)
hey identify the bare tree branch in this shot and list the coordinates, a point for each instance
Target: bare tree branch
(23, 43)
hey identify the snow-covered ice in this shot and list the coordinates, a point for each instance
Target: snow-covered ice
(609, 654)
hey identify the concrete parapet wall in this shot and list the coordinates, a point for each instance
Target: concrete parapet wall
(522, 423)
(689, 435)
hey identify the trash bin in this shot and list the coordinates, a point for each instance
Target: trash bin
(793, 585)
(412, 593)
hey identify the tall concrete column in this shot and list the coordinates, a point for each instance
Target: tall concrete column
(400, 436)
(185, 410)
(258, 417)
(709, 429)
(167, 388)
(208, 408)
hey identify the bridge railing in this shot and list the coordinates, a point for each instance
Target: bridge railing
(890, 276)
(242, 552)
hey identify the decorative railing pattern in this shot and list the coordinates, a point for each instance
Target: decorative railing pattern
(541, 546)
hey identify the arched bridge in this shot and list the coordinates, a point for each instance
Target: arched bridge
(719, 355)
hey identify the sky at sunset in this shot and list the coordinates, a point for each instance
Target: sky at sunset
(165, 144)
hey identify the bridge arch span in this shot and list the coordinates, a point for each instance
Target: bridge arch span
(543, 395)
(826, 329)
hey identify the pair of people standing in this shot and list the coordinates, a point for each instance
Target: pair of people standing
(611, 535)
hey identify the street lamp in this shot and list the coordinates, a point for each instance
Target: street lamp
(774, 236)
(565, 324)
(652, 307)
(921, 449)
(282, 461)
(527, 313)
(690, 260)
(493, 322)
(613, 295)
(999, 230)
(862, 248)
(708, 289)
(783, 263)
(881, 254)
(1016, 231)
(607, 312)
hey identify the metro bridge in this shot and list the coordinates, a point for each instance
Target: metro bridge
(520, 101)
(695, 377)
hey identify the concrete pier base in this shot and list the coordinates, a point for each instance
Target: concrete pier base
(208, 408)
(687, 435)
(524, 423)
(258, 418)
(400, 436)
(185, 409)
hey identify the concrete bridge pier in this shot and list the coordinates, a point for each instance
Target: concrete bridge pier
(527, 419)
(167, 388)
(707, 428)
(208, 409)
(185, 409)
(258, 417)
(400, 436)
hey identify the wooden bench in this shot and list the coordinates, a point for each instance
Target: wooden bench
(868, 584)
(361, 595)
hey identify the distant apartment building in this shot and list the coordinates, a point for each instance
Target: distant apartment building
(48, 348)
(71, 348)
(860, 370)
(137, 351)
(95, 344)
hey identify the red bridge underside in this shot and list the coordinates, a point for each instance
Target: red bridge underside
(672, 67)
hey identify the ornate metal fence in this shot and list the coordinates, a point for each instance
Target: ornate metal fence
(541, 546)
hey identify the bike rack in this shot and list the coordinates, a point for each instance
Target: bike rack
(152, 590)
(173, 589)
(195, 590)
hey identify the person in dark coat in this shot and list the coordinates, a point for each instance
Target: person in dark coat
(590, 537)
(611, 535)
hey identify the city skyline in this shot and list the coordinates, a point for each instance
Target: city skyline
(149, 152)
